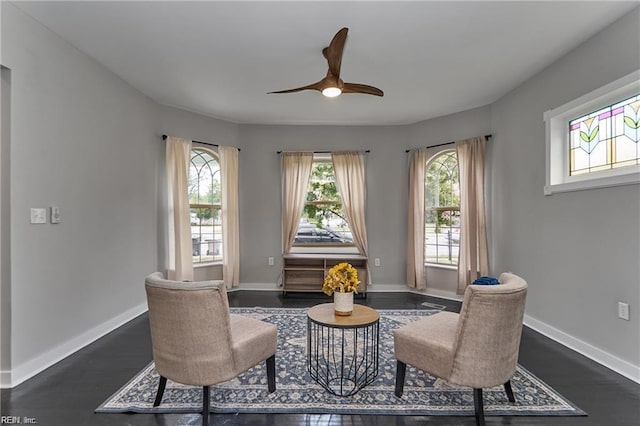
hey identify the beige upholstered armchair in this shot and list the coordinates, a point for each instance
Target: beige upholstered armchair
(476, 348)
(196, 341)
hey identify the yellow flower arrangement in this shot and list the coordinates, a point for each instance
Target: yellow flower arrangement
(342, 278)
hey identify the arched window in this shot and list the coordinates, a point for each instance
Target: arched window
(205, 204)
(442, 209)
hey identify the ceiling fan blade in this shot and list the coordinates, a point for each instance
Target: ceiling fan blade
(313, 86)
(332, 81)
(333, 52)
(361, 88)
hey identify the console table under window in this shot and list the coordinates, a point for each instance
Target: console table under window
(306, 272)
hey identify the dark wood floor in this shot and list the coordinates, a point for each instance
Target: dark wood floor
(67, 393)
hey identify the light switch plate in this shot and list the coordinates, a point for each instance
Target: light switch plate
(38, 215)
(55, 214)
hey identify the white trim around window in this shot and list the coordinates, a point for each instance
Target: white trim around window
(557, 140)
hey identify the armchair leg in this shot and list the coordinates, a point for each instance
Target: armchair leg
(161, 385)
(401, 369)
(205, 406)
(509, 391)
(479, 406)
(271, 373)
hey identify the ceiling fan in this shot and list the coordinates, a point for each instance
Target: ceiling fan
(332, 85)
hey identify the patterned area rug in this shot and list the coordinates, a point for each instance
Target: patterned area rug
(298, 393)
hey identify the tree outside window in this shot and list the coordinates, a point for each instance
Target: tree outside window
(442, 209)
(205, 206)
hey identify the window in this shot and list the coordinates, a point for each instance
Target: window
(204, 202)
(323, 221)
(593, 141)
(605, 139)
(442, 209)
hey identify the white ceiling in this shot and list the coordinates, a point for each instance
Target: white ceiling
(221, 58)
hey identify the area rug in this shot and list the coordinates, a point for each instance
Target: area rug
(296, 392)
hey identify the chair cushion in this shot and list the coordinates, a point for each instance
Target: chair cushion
(252, 341)
(428, 343)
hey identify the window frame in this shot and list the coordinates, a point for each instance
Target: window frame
(432, 158)
(557, 140)
(213, 206)
(333, 247)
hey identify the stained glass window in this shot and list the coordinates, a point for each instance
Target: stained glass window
(606, 139)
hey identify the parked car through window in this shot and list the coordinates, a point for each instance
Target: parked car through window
(313, 234)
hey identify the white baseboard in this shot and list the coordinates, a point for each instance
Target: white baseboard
(274, 287)
(257, 287)
(25, 371)
(604, 358)
(41, 362)
(442, 294)
(387, 288)
(373, 288)
(608, 360)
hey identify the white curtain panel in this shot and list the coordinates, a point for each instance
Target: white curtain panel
(230, 216)
(416, 277)
(473, 258)
(296, 169)
(180, 262)
(349, 169)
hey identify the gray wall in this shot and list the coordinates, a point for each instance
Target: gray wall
(176, 122)
(474, 122)
(579, 251)
(387, 187)
(83, 140)
(188, 125)
(260, 194)
(260, 221)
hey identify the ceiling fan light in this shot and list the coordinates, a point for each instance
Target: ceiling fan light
(331, 92)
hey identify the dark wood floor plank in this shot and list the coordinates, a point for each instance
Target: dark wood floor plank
(67, 393)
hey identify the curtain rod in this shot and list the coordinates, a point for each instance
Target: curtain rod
(164, 138)
(319, 152)
(486, 137)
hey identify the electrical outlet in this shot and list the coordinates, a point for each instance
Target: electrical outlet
(376, 261)
(270, 261)
(623, 311)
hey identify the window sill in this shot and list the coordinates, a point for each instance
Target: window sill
(208, 264)
(324, 249)
(440, 266)
(593, 183)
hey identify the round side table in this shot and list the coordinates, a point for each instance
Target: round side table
(342, 351)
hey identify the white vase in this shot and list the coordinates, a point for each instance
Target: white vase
(343, 303)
